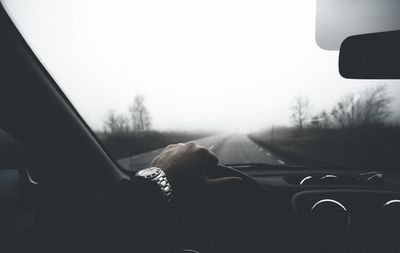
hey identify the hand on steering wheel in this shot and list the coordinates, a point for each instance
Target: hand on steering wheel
(233, 218)
(185, 166)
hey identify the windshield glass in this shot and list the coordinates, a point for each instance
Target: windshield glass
(245, 79)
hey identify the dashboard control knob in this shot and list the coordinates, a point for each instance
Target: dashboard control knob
(329, 179)
(307, 180)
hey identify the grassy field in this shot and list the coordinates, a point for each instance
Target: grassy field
(360, 148)
(126, 144)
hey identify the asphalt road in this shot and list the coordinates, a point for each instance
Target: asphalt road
(230, 149)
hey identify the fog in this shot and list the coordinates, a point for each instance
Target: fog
(212, 65)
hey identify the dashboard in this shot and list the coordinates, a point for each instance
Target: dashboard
(328, 210)
(335, 210)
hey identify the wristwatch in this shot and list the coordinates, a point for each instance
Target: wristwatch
(157, 176)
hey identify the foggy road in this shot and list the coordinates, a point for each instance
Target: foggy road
(230, 149)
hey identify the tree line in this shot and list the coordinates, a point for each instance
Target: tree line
(370, 107)
(138, 119)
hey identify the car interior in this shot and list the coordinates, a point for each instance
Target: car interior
(62, 165)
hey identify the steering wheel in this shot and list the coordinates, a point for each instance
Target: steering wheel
(239, 217)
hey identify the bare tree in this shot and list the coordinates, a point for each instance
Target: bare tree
(341, 112)
(300, 110)
(375, 106)
(115, 123)
(371, 107)
(140, 115)
(325, 119)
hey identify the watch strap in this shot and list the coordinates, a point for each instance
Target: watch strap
(159, 177)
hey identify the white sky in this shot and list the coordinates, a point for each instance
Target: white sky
(225, 65)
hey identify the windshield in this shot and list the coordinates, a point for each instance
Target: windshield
(245, 79)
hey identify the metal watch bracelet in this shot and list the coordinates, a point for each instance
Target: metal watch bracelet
(158, 176)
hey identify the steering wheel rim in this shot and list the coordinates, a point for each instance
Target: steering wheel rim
(238, 217)
(227, 170)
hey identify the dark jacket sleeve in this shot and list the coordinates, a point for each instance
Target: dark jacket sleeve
(132, 216)
(150, 222)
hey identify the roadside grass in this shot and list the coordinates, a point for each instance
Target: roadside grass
(126, 144)
(375, 148)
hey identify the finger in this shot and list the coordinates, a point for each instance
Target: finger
(223, 180)
(213, 159)
(208, 155)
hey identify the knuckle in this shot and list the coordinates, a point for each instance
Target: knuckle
(170, 146)
(191, 144)
(202, 150)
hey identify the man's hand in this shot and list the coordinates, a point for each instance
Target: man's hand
(185, 166)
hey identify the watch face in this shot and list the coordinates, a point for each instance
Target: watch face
(149, 172)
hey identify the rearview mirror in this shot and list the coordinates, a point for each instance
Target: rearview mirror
(371, 56)
(339, 19)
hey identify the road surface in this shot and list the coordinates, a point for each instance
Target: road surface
(230, 149)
